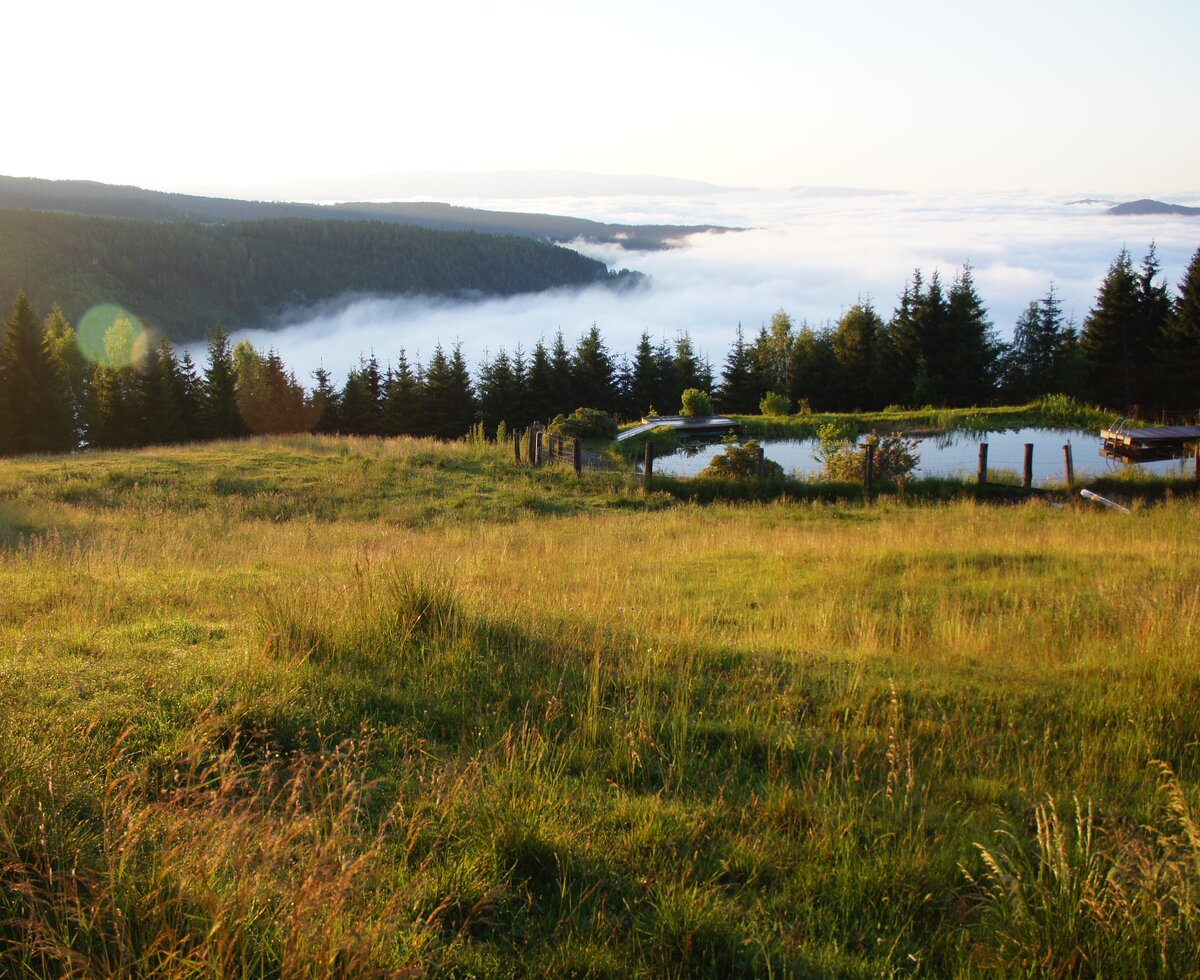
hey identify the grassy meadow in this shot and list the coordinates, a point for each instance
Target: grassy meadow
(339, 707)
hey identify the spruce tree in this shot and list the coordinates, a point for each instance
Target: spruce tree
(401, 402)
(325, 403)
(1109, 341)
(594, 373)
(738, 392)
(35, 398)
(540, 403)
(970, 349)
(519, 398)
(497, 394)
(563, 398)
(1182, 342)
(220, 418)
(160, 394)
(688, 371)
(448, 395)
(642, 386)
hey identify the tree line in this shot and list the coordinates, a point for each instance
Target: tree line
(1138, 346)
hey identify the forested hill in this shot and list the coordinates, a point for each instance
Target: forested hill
(113, 201)
(1147, 206)
(185, 276)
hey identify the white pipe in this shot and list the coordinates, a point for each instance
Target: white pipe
(1088, 495)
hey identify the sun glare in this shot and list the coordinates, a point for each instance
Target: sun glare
(113, 336)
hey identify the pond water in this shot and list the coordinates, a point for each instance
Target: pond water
(949, 454)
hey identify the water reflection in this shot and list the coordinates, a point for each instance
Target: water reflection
(953, 453)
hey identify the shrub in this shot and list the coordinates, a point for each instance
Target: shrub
(585, 423)
(895, 456)
(741, 463)
(773, 404)
(696, 402)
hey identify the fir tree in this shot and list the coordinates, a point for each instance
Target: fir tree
(970, 350)
(594, 373)
(562, 379)
(402, 399)
(738, 391)
(35, 398)
(540, 402)
(160, 396)
(1109, 341)
(1182, 342)
(448, 396)
(688, 371)
(325, 403)
(643, 381)
(220, 418)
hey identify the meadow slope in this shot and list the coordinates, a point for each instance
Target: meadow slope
(329, 706)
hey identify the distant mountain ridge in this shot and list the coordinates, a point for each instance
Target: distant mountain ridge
(502, 184)
(117, 201)
(1147, 206)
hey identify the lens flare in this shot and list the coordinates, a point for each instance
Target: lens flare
(112, 336)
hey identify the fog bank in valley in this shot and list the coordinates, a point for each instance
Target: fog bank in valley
(814, 252)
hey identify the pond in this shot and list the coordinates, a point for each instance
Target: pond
(949, 454)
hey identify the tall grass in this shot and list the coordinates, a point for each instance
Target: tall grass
(340, 707)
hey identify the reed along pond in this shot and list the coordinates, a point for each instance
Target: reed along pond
(947, 454)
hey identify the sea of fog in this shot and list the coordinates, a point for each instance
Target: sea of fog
(812, 252)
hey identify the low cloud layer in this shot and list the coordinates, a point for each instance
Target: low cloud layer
(811, 252)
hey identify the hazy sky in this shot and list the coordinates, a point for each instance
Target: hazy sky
(1087, 96)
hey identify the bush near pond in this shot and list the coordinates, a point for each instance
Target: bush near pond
(774, 404)
(585, 423)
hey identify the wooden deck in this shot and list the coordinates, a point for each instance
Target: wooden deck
(684, 425)
(1149, 444)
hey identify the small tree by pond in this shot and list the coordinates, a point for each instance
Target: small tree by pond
(696, 402)
(895, 455)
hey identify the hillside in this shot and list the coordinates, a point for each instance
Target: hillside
(184, 276)
(112, 201)
(360, 707)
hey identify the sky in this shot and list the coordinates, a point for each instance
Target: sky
(1076, 96)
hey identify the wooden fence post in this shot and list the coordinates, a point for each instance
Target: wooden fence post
(533, 445)
(1069, 462)
(540, 456)
(517, 446)
(868, 466)
(982, 476)
(648, 465)
(1197, 472)
(577, 455)
(1029, 466)
(760, 464)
